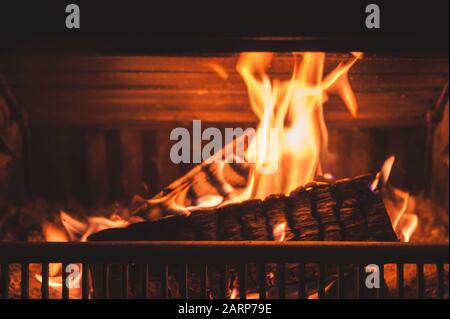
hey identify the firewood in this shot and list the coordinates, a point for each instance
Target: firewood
(344, 210)
(275, 208)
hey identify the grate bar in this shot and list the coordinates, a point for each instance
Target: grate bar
(260, 254)
(420, 281)
(223, 282)
(85, 281)
(400, 281)
(64, 276)
(165, 282)
(281, 282)
(238, 252)
(360, 281)
(441, 284)
(341, 281)
(125, 281)
(380, 291)
(105, 292)
(242, 270)
(4, 280)
(204, 282)
(301, 284)
(44, 284)
(185, 283)
(144, 282)
(24, 282)
(321, 283)
(262, 281)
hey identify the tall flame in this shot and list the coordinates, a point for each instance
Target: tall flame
(291, 135)
(294, 111)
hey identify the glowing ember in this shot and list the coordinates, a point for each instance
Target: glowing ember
(80, 231)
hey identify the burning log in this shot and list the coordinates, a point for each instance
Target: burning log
(344, 210)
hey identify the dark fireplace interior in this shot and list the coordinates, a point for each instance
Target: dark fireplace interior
(90, 136)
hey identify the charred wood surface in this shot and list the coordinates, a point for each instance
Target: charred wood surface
(345, 210)
(145, 90)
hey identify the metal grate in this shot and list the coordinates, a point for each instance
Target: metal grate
(224, 254)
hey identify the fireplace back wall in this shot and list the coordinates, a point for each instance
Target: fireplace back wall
(100, 125)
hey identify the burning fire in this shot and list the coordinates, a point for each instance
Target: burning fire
(279, 232)
(291, 132)
(74, 230)
(294, 109)
(400, 205)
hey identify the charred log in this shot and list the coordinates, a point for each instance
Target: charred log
(345, 210)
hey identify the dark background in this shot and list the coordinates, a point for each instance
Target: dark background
(199, 26)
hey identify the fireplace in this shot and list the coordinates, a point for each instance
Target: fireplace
(118, 179)
(111, 142)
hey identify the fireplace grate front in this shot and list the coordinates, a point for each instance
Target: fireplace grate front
(220, 254)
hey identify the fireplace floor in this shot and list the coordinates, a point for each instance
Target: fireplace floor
(433, 228)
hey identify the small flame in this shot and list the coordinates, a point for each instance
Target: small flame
(207, 201)
(80, 231)
(234, 293)
(74, 230)
(279, 232)
(218, 69)
(400, 205)
(52, 233)
(383, 175)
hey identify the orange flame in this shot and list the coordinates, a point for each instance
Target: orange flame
(400, 205)
(74, 230)
(53, 233)
(279, 232)
(217, 68)
(234, 293)
(294, 109)
(291, 134)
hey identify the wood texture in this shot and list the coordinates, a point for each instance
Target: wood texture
(145, 90)
(345, 210)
